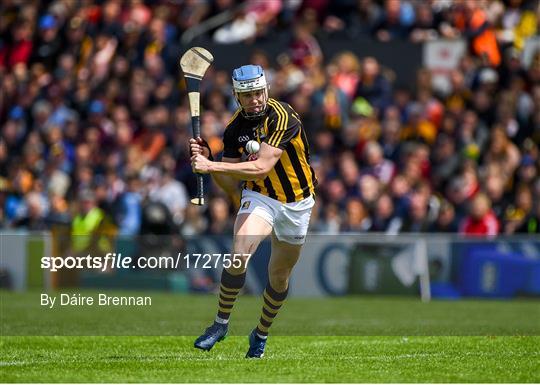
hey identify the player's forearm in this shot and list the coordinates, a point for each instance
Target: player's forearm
(243, 170)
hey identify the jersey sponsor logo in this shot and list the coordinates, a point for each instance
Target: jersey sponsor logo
(243, 138)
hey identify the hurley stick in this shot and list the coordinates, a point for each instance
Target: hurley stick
(194, 64)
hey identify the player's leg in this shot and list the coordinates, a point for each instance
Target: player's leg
(284, 257)
(289, 235)
(249, 230)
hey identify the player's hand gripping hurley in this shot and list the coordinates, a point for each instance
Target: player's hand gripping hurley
(194, 64)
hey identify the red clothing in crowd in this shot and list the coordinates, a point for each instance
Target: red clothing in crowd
(487, 225)
(19, 52)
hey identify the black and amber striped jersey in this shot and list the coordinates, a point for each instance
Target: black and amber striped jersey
(292, 178)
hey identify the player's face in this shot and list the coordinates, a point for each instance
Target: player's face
(253, 102)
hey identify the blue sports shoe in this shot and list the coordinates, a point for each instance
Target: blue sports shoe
(256, 346)
(215, 333)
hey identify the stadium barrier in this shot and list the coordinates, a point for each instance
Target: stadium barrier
(438, 265)
(20, 257)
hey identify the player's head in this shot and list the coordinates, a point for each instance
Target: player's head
(250, 90)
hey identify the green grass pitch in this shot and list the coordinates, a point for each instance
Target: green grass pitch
(350, 339)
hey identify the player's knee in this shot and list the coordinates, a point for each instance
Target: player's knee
(245, 247)
(279, 278)
(239, 260)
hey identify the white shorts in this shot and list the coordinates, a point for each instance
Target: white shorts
(290, 221)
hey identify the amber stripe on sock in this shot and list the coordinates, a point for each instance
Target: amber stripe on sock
(272, 301)
(228, 291)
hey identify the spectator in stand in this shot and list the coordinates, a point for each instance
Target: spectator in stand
(243, 27)
(418, 127)
(219, 217)
(518, 21)
(381, 168)
(446, 221)
(265, 14)
(345, 73)
(89, 98)
(331, 220)
(304, 49)
(19, 50)
(503, 152)
(364, 20)
(330, 106)
(49, 43)
(59, 212)
(334, 191)
(530, 224)
(384, 219)
(481, 220)
(370, 189)
(129, 207)
(194, 222)
(395, 21)
(390, 139)
(494, 187)
(518, 214)
(34, 220)
(472, 135)
(445, 161)
(417, 218)
(171, 193)
(374, 86)
(513, 68)
(528, 170)
(150, 140)
(357, 218)
(425, 25)
(400, 188)
(472, 21)
(350, 174)
(90, 228)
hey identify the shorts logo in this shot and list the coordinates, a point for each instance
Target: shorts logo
(246, 204)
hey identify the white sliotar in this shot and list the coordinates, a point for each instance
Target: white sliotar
(253, 147)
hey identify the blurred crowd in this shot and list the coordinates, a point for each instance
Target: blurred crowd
(95, 121)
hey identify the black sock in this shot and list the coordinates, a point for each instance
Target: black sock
(228, 291)
(272, 303)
